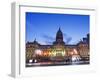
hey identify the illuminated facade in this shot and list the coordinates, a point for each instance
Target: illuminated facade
(58, 50)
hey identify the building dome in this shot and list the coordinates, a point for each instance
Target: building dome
(59, 36)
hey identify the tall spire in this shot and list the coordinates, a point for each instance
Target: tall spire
(59, 29)
(35, 42)
(35, 39)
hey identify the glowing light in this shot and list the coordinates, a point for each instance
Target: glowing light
(30, 61)
(76, 58)
(35, 60)
(71, 53)
(38, 52)
(73, 58)
(75, 51)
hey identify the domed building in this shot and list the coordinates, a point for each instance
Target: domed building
(59, 50)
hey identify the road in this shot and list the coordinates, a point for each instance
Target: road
(56, 63)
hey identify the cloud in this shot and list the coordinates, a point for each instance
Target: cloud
(48, 42)
(67, 38)
(48, 39)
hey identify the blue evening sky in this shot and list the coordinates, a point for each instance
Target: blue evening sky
(43, 27)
